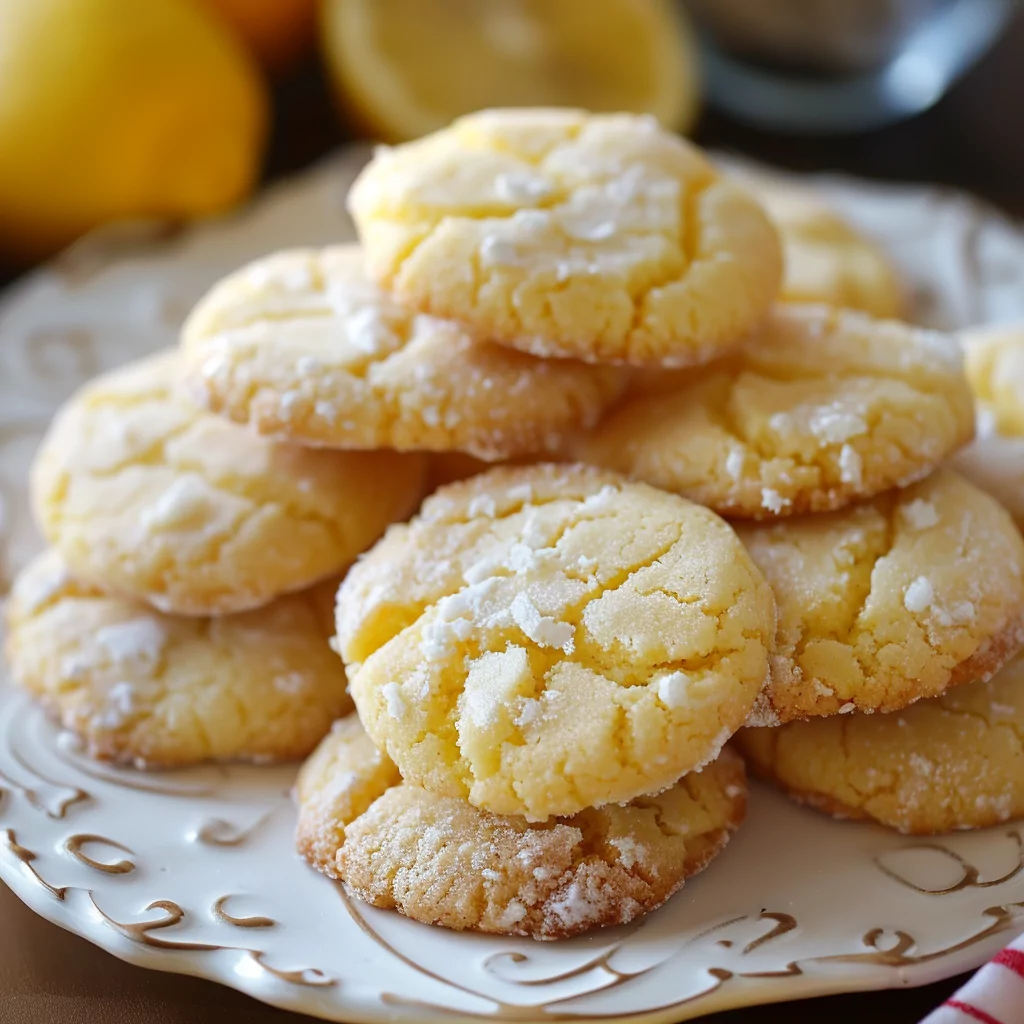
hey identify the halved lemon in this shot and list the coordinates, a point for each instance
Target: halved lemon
(408, 67)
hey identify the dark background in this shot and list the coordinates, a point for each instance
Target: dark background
(973, 139)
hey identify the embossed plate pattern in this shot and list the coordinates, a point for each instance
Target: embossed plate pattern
(194, 872)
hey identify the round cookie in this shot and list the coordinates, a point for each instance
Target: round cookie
(594, 237)
(440, 860)
(147, 495)
(889, 601)
(302, 347)
(825, 259)
(953, 762)
(162, 691)
(548, 638)
(818, 408)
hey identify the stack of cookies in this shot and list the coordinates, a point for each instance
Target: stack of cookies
(723, 504)
(184, 609)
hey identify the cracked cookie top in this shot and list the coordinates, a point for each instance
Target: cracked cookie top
(147, 495)
(302, 347)
(595, 237)
(442, 861)
(158, 690)
(547, 638)
(889, 601)
(818, 408)
(953, 762)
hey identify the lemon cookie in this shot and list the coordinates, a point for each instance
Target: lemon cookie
(818, 408)
(164, 690)
(889, 601)
(548, 638)
(826, 260)
(302, 347)
(953, 762)
(442, 861)
(596, 237)
(147, 495)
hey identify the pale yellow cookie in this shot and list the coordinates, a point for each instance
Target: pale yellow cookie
(548, 638)
(164, 691)
(826, 259)
(302, 347)
(953, 762)
(889, 601)
(818, 408)
(595, 237)
(146, 495)
(442, 861)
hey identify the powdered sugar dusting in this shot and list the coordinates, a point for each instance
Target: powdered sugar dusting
(602, 499)
(455, 618)
(530, 712)
(576, 906)
(120, 705)
(512, 914)
(367, 331)
(772, 500)
(483, 505)
(834, 426)
(138, 641)
(630, 851)
(521, 492)
(919, 595)
(851, 466)
(543, 630)
(493, 683)
(920, 514)
(522, 187)
(672, 689)
(498, 252)
(392, 694)
(188, 502)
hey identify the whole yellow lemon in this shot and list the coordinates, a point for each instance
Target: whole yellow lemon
(120, 108)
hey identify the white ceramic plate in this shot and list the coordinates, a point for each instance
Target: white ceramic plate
(194, 872)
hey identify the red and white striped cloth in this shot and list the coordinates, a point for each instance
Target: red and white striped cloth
(995, 995)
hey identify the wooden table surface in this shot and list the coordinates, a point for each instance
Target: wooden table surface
(974, 139)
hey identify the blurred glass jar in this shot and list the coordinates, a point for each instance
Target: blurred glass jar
(834, 66)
